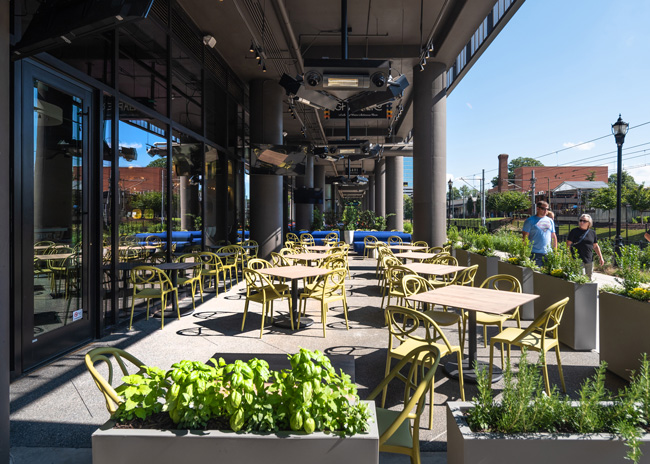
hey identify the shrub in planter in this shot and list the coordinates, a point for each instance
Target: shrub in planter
(244, 396)
(526, 412)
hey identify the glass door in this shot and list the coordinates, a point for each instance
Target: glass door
(55, 315)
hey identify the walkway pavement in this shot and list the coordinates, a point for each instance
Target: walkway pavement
(55, 409)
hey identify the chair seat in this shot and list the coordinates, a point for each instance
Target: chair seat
(443, 318)
(186, 280)
(411, 344)
(402, 437)
(149, 293)
(267, 293)
(490, 319)
(532, 341)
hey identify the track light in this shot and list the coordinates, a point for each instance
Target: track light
(423, 62)
(421, 67)
(264, 67)
(252, 49)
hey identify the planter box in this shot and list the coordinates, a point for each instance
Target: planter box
(525, 276)
(137, 446)
(487, 267)
(462, 256)
(465, 446)
(348, 237)
(624, 324)
(579, 325)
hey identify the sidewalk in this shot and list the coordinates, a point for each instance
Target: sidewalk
(55, 410)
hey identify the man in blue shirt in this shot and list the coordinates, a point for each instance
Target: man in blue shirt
(540, 230)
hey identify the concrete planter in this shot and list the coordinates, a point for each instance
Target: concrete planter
(462, 256)
(525, 276)
(465, 446)
(137, 446)
(579, 325)
(624, 337)
(487, 266)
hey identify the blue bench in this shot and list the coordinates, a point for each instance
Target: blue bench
(359, 236)
(182, 239)
(319, 235)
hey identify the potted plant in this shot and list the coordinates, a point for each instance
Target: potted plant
(482, 253)
(350, 217)
(528, 425)
(561, 276)
(240, 411)
(625, 316)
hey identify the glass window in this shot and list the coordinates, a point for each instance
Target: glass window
(187, 175)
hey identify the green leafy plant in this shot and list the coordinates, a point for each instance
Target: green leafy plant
(317, 223)
(562, 263)
(630, 271)
(350, 216)
(526, 408)
(248, 396)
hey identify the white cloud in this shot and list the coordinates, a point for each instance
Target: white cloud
(131, 145)
(640, 174)
(469, 105)
(580, 146)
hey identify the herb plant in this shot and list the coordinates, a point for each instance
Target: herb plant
(248, 396)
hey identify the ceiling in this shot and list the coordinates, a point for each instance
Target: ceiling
(291, 31)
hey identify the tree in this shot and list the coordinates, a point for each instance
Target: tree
(604, 198)
(638, 198)
(517, 163)
(470, 206)
(591, 176)
(508, 202)
(627, 180)
(465, 191)
(455, 193)
(408, 207)
(158, 163)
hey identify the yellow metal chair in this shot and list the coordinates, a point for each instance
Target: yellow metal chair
(331, 238)
(369, 244)
(414, 284)
(409, 329)
(394, 240)
(307, 239)
(211, 267)
(258, 263)
(506, 283)
(260, 289)
(230, 263)
(393, 284)
(327, 288)
(110, 355)
(399, 431)
(436, 249)
(278, 260)
(192, 277)
(148, 283)
(250, 253)
(421, 243)
(291, 237)
(540, 335)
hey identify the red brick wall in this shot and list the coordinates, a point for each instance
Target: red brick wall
(552, 176)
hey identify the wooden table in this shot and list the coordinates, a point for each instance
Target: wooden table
(306, 257)
(408, 247)
(53, 256)
(433, 269)
(294, 273)
(416, 255)
(175, 267)
(317, 248)
(473, 299)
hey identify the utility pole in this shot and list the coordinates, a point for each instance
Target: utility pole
(483, 198)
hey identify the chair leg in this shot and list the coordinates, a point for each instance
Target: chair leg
(132, 310)
(264, 307)
(485, 335)
(460, 376)
(323, 315)
(178, 307)
(559, 367)
(387, 371)
(245, 312)
(491, 360)
(547, 384)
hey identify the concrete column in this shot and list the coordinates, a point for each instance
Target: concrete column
(429, 153)
(319, 182)
(5, 208)
(371, 193)
(266, 190)
(305, 211)
(380, 188)
(395, 193)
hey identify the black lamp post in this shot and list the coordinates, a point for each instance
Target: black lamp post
(451, 215)
(619, 129)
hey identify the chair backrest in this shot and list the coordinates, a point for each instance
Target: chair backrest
(504, 282)
(154, 240)
(307, 239)
(291, 237)
(394, 240)
(444, 258)
(436, 249)
(251, 252)
(286, 251)
(421, 243)
(547, 323)
(278, 260)
(466, 276)
(257, 283)
(414, 284)
(334, 262)
(142, 276)
(369, 240)
(192, 258)
(395, 274)
(423, 362)
(331, 237)
(210, 261)
(332, 283)
(158, 257)
(258, 263)
(110, 355)
(235, 257)
(405, 324)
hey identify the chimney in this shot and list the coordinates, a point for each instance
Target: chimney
(503, 173)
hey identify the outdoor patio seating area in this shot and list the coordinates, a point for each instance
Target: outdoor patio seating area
(59, 405)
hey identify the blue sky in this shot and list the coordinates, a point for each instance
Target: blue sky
(558, 74)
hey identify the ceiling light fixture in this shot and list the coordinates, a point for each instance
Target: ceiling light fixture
(252, 48)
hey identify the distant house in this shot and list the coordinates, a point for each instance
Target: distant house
(569, 197)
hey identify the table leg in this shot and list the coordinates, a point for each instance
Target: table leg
(284, 322)
(469, 364)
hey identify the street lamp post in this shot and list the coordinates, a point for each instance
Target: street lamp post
(450, 210)
(619, 129)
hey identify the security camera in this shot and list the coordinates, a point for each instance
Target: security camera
(378, 79)
(313, 78)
